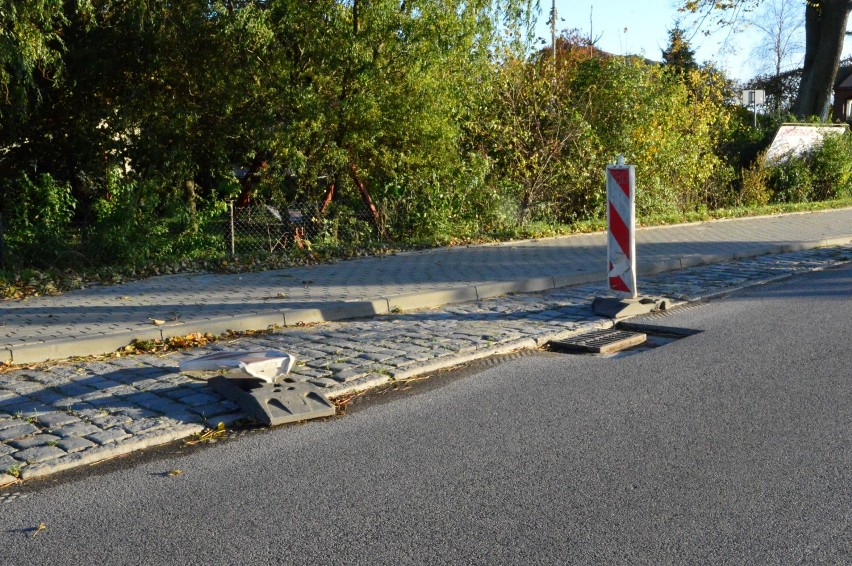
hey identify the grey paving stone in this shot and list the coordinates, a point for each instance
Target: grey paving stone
(74, 444)
(375, 356)
(346, 366)
(6, 422)
(77, 429)
(180, 392)
(136, 413)
(73, 405)
(34, 440)
(163, 405)
(351, 374)
(7, 378)
(94, 396)
(376, 350)
(121, 391)
(26, 408)
(47, 396)
(214, 409)
(7, 462)
(139, 399)
(23, 387)
(39, 454)
(56, 419)
(199, 399)
(143, 384)
(309, 371)
(18, 431)
(144, 425)
(108, 436)
(161, 386)
(109, 420)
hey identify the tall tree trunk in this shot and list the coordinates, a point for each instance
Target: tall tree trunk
(825, 29)
(189, 191)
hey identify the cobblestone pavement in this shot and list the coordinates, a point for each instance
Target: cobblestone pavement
(103, 319)
(60, 416)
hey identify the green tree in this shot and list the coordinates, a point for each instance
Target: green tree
(30, 51)
(678, 56)
(825, 29)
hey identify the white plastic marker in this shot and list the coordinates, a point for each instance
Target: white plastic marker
(265, 365)
(621, 225)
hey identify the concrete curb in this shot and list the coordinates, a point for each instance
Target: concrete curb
(452, 361)
(336, 311)
(82, 346)
(6, 479)
(148, 440)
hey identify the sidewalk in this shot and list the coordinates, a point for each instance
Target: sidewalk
(64, 415)
(102, 319)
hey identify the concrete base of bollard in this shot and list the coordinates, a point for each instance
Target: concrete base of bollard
(613, 307)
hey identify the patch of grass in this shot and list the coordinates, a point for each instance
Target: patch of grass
(745, 212)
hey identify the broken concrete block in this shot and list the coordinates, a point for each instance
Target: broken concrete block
(275, 404)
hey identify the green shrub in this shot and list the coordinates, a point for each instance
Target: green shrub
(38, 230)
(791, 181)
(831, 166)
(824, 173)
(754, 185)
(141, 222)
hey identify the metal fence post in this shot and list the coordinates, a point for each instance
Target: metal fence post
(233, 248)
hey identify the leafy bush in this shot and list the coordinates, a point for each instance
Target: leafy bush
(824, 173)
(831, 164)
(791, 181)
(140, 222)
(38, 229)
(754, 184)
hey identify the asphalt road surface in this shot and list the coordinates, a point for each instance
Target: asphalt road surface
(732, 446)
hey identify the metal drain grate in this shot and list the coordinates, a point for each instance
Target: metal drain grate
(600, 341)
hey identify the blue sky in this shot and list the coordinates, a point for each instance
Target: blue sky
(641, 27)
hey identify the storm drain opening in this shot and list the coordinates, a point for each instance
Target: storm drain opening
(608, 341)
(625, 338)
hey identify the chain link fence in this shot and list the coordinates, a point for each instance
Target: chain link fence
(263, 229)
